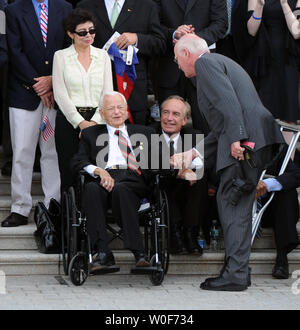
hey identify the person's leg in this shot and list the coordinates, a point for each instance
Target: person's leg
(49, 163)
(25, 126)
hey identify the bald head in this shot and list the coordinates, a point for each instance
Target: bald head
(187, 50)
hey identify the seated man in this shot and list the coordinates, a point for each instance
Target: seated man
(107, 153)
(282, 214)
(187, 212)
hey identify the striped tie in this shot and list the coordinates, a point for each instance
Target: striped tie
(127, 153)
(44, 22)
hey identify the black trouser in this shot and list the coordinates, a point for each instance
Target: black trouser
(125, 199)
(187, 204)
(282, 215)
(185, 89)
(66, 142)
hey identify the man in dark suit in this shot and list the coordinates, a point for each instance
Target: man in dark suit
(185, 214)
(205, 18)
(224, 90)
(138, 23)
(32, 25)
(116, 179)
(283, 213)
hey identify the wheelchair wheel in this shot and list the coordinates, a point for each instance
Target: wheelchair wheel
(73, 223)
(78, 269)
(162, 265)
(65, 233)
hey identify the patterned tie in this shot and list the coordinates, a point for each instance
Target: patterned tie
(44, 22)
(127, 153)
(114, 14)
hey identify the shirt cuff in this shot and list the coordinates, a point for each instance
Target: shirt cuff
(90, 169)
(273, 184)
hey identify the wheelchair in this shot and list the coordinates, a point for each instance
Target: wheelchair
(77, 253)
(258, 210)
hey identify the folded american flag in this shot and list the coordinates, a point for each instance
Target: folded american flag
(46, 129)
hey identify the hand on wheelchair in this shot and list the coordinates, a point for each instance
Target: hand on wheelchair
(106, 181)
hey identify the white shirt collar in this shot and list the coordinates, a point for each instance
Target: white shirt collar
(111, 130)
(174, 138)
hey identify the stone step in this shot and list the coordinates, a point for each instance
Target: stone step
(35, 263)
(5, 186)
(21, 238)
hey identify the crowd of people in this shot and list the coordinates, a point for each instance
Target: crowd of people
(59, 96)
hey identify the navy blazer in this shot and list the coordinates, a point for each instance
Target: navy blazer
(28, 56)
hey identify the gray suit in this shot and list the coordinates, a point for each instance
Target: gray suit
(234, 112)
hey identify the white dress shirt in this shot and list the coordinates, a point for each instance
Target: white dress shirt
(197, 163)
(109, 4)
(115, 156)
(74, 87)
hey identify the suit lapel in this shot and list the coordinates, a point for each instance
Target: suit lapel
(32, 23)
(53, 13)
(181, 4)
(190, 5)
(131, 130)
(126, 12)
(101, 12)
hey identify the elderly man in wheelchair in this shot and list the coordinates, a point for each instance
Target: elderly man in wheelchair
(111, 156)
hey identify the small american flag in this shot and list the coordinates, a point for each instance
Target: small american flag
(46, 129)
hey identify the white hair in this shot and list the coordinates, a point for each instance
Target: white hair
(193, 44)
(113, 93)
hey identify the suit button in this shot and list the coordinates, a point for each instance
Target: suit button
(46, 62)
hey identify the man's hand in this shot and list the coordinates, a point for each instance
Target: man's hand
(126, 39)
(237, 151)
(48, 100)
(183, 29)
(106, 181)
(184, 160)
(43, 85)
(261, 189)
(188, 175)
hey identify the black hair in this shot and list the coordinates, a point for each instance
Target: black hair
(77, 16)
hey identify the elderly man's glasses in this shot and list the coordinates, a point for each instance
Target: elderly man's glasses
(84, 33)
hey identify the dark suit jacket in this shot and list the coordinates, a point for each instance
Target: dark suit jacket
(29, 58)
(232, 108)
(3, 46)
(209, 17)
(136, 16)
(93, 147)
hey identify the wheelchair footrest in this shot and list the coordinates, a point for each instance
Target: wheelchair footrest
(144, 270)
(105, 270)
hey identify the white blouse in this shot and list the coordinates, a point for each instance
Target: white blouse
(74, 87)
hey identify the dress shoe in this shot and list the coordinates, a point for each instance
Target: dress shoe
(140, 259)
(6, 168)
(14, 220)
(281, 272)
(102, 261)
(221, 284)
(190, 241)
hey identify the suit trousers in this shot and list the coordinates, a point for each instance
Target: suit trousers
(124, 199)
(25, 135)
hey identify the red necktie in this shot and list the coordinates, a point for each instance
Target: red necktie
(44, 22)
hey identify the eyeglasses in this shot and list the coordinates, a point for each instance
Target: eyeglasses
(84, 33)
(118, 107)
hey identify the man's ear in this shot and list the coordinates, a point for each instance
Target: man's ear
(185, 120)
(102, 114)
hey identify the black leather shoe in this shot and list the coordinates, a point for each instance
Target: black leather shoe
(281, 272)
(14, 220)
(220, 284)
(102, 261)
(190, 241)
(140, 259)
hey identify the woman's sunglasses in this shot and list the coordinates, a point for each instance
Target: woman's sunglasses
(84, 33)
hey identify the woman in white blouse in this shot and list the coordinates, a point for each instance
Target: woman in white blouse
(81, 75)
